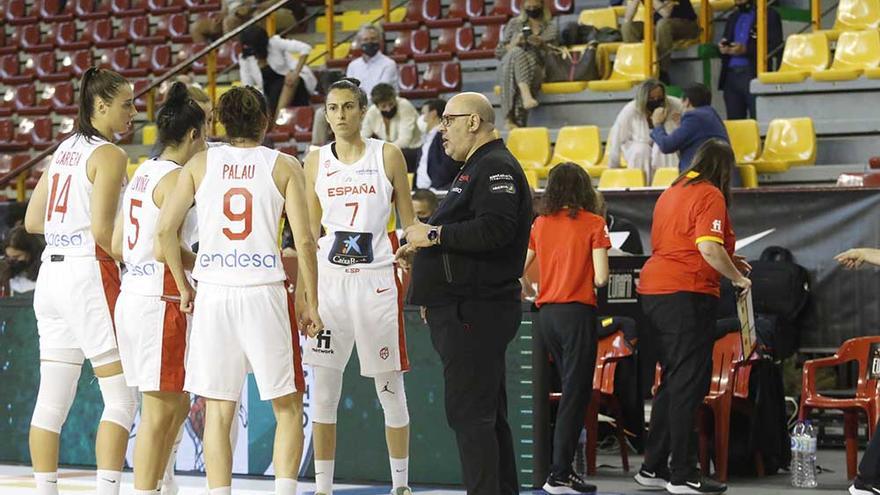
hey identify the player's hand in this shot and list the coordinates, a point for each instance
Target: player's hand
(744, 284)
(659, 116)
(310, 323)
(187, 298)
(404, 256)
(417, 235)
(851, 259)
(741, 264)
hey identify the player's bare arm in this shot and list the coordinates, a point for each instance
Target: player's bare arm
(314, 204)
(163, 190)
(117, 237)
(106, 170)
(36, 209)
(395, 169)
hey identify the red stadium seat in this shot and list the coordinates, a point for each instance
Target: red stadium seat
(203, 5)
(17, 13)
(302, 123)
(37, 132)
(61, 98)
(411, 43)
(138, 31)
(120, 60)
(7, 100)
(282, 130)
(79, 61)
(64, 36)
(447, 45)
(417, 12)
(11, 71)
(53, 11)
(177, 27)
(156, 59)
(7, 43)
(409, 84)
(228, 54)
(449, 20)
(501, 11)
(200, 65)
(30, 39)
(128, 8)
(87, 10)
(140, 103)
(488, 42)
(48, 69)
(561, 7)
(100, 33)
(8, 138)
(161, 7)
(26, 101)
(443, 77)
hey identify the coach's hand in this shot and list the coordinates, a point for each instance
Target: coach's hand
(417, 234)
(404, 256)
(187, 297)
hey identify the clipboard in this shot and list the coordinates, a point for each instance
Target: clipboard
(748, 332)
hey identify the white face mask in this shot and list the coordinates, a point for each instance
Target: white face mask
(422, 124)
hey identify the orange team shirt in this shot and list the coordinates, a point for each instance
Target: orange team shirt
(564, 250)
(683, 217)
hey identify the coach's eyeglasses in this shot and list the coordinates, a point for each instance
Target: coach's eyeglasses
(446, 120)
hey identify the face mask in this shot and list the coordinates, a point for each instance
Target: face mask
(422, 124)
(16, 267)
(424, 219)
(371, 49)
(389, 114)
(535, 13)
(655, 104)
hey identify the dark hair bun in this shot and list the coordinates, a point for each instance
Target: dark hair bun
(353, 80)
(178, 95)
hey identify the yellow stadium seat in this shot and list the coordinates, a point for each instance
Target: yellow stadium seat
(745, 139)
(856, 51)
(749, 176)
(665, 176)
(321, 24)
(532, 178)
(580, 144)
(789, 142)
(131, 169)
(352, 20)
(598, 18)
(803, 54)
(618, 178)
(565, 87)
(150, 132)
(531, 146)
(629, 69)
(398, 14)
(142, 159)
(410, 178)
(221, 90)
(854, 15)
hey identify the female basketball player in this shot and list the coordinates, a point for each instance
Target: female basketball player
(353, 184)
(152, 330)
(74, 206)
(242, 316)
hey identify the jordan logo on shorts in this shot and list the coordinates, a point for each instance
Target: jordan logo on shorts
(386, 389)
(323, 340)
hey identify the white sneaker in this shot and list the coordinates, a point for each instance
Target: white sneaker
(400, 490)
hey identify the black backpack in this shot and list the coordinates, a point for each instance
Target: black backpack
(780, 287)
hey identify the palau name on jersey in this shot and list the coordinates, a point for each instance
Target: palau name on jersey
(238, 172)
(238, 260)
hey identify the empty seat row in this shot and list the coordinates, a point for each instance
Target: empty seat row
(27, 133)
(460, 42)
(430, 13)
(807, 55)
(43, 11)
(439, 77)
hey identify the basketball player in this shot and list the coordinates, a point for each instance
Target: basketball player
(74, 206)
(242, 316)
(353, 184)
(152, 328)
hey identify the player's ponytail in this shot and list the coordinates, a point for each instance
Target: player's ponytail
(178, 116)
(96, 83)
(244, 113)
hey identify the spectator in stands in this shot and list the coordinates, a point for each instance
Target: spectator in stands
(424, 204)
(21, 263)
(435, 169)
(522, 51)
(277, 67)
(699, 122)
(673, 20)
(236, 12)
(393, 119)
(630, 136)
(739, 63)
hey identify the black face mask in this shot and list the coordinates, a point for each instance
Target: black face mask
(389, 114)
(371, 49)
(535, 13)
(424, 219)
(744, 7)
(655, 104)
(16, 267)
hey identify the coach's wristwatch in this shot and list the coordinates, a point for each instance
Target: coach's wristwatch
(434, 235)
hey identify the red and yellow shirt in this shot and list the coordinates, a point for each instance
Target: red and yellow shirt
(685, 215)
(564, 247)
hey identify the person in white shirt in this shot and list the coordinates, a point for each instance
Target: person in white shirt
(631, 134)
(277, 67)
(435, 169)
(371, 68)
(393, 119)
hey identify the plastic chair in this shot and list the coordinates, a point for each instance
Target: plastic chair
(177, 27)
(465, 9)
(803, 55)
(789, 142)
(664, 176)
(417, 13)
(302, 123)
(162, 7)
(409, 44)
(745, 139)
(866, 400)
(628, 70)
(7, 44)
(138, 31)
(448, 44)
(64, 36)
(530, 146)
(749, 176)
(501, 11)
(598, 18)
(486, 47)
(51, 11)
(79, 61)
(619, 178)
(156, 59)
(100, 33)
(531, 178)
(17, 13)
(856, 52)
(30, 39)
(48, 70)
(579, 144)
(25, 102)
(87, 10)
(443, 77)
(11, 72)
(61, 98)
(128, 8)
(854, 15)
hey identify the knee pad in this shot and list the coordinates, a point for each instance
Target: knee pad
(392, 396)
(328, 390)
(108, 357)
(120, 401)
(56, 394)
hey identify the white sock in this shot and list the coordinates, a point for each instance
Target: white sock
(399, 472)
(108, 482)
(47, 483)
(169, 483)
(324, 476)
(285, 486)
(226, 490)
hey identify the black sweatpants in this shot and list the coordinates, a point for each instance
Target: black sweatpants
(869, 467)
(569, 331)
(738, 98)
(684, 324)
(471, 338)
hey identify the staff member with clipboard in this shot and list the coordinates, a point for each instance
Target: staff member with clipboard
(692, 243)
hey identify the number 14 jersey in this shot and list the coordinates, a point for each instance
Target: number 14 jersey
(356, 202)
(238, 207)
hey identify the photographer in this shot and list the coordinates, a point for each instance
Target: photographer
(21, 262)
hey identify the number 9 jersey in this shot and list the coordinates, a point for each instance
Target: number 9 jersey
(239, 201)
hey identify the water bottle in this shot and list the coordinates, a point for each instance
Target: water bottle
(797, 455)
(811, 437)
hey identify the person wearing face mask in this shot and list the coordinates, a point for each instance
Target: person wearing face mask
(435, 169)
(629, 139)
(739, 63)
(424, 204)
(19, 269)
(393, 119)
(522, 51)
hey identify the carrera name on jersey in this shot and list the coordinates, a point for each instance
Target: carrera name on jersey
(351, 190)
(236, 259)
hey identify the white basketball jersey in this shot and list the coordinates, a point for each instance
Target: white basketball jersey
(356, 204)
(144, 274)
(238, 207)
(68, 225)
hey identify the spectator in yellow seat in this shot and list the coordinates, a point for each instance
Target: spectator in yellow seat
(522, 52)
(674, 20)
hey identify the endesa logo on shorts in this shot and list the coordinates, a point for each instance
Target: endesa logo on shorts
(142, 270)
(64, 240)
(236, 259)
(351, 248)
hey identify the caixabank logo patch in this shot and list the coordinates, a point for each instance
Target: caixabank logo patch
(351, 248)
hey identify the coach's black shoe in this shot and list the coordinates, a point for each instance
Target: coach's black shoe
(696, 486)
(571, 483)
(652, 479)
(860, 487)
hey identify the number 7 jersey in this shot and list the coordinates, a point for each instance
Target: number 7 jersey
(356, 203)
(238, 207)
